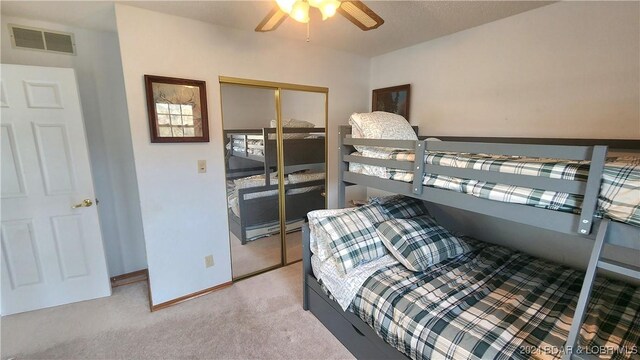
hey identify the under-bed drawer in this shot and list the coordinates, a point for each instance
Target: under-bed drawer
(352, 338)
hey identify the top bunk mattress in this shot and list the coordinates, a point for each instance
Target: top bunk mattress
(619, 197)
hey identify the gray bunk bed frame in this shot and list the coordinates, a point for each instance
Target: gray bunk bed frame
(301, 154)
(359, 338)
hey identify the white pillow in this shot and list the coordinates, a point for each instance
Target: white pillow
(296, 178)
(380, 125)
(293, 123)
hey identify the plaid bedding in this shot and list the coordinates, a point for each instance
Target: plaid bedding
(420, 242)
(495, 303)
(619, 197)
(353, 237)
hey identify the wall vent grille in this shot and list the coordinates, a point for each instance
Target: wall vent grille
(24, 37)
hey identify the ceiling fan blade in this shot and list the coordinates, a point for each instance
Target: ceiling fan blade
(274, 18)
(360, 14)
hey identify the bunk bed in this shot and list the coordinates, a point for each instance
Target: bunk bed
(375, 314)
(252, 185)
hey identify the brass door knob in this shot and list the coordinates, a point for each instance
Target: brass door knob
(84, 203)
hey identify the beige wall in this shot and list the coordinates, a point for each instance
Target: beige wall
(569, 69)
(184, 213)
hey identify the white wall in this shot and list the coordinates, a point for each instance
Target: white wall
(183, 212)
(568, 69)
(99, 73)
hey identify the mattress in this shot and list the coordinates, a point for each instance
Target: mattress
(257, 231)
(496, 303)
(254, 144)
(619, 197)
(259, 180)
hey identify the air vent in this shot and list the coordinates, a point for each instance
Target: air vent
(41, 39)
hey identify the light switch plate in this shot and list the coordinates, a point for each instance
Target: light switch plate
(202, 166)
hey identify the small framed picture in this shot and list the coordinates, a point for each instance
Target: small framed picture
(393, 99)
(177, 109)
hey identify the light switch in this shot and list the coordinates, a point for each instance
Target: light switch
(202, 166)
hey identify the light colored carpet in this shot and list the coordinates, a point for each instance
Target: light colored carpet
(260, 317)
(262, 253)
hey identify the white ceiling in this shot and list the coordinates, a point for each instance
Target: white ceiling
(406, 22)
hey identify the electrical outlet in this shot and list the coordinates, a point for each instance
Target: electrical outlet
(208, 261)
(202, 166)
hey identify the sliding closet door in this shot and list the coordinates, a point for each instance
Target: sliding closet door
(249, 119)
(303, 116)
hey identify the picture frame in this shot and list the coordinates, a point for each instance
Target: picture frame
(394, 99)
(177, 109)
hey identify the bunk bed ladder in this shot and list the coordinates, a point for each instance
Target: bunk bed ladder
(595, 263)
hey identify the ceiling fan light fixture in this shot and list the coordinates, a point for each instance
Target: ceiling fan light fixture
(328, 8)
(300, 11)
(286, 5)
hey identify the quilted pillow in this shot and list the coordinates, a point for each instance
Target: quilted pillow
(319, 236)
(292, 123)
(380, 125)
(353, 238)
(401, 207)
(420, 242)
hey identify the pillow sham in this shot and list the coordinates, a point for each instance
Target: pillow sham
(292, 123)
(420, 242)
(319, 235)
(380, 125)
(318, 238)
(352, 236)
(401, 207)
(300, 177)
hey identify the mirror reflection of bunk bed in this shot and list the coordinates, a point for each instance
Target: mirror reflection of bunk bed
(485, 187)
(252, 175)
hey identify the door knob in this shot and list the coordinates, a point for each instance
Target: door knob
(84, 203)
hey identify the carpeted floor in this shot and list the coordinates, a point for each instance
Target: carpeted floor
(260, 317)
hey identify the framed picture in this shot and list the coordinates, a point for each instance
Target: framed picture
(393, 99)
(177, 109)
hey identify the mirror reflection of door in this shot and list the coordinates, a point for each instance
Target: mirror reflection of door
(253, 164)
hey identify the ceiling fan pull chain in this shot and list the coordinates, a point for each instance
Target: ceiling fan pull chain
(308, 36)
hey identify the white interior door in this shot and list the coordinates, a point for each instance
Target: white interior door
(52, 253)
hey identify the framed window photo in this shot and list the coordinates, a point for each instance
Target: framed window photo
(393, 99)
(177, 109)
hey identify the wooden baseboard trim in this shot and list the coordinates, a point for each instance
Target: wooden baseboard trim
(190, 296)
(129, 278)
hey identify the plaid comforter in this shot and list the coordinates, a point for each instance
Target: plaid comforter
(495, 303)
(619, 193)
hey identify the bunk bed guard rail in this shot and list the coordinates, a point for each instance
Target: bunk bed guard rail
(550, 219)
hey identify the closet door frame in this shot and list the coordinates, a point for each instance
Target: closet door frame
(277, 87)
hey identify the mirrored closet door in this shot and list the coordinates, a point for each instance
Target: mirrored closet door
(275, 148)
(303, 120)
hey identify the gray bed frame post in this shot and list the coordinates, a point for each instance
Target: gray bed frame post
(343, 166)
(419, 165)
(598, 158)
(306, 265)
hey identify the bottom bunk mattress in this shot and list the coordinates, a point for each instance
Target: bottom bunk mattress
(490, 303)
(257, 231)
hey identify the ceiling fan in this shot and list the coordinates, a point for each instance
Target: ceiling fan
(355, 11)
